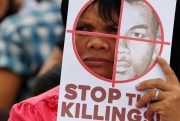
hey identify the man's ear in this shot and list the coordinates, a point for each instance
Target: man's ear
(157, 46)
(156, 51)
(154, 54)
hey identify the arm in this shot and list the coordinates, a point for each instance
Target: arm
(167, 100)
(54, 59)
(24, 112)
(9, 85)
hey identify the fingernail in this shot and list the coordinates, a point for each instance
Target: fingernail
(137, 86)
(137, 106)
(159, 57)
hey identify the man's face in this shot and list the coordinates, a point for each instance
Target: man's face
(134, 57)
(3, 8)
(96, 52)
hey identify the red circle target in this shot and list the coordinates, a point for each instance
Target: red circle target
(139, 37)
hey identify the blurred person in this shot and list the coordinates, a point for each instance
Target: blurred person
(27, 5)
(10, 7)
(55, 57)
(49, 75)
(41, 82)
(39, 86)
(26, 41)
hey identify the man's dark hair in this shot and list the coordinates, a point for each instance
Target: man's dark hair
(105, 8)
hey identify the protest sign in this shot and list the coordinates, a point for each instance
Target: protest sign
(111, 46)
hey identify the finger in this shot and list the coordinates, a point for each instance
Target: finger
(157, 83)
(152, 95)
(170, 75)
(153, 107)
(150, 118)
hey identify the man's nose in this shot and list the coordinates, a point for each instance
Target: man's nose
(123, 47)
(98, 43)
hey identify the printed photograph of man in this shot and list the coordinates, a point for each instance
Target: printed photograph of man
(135, 57)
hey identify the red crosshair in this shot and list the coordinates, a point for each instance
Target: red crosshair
(117, 37)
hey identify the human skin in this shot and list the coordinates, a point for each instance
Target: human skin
(6, 10)
(167, 103)
(10, 83)
(3, 8)
(54, 59)
(97, 53)
(134, 57)
(17, 5)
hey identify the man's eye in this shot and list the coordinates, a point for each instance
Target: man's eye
(137, 35)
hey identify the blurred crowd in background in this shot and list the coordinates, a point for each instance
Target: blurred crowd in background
(31, 42)
(31, 45)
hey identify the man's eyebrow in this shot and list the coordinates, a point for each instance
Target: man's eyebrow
(143, 26)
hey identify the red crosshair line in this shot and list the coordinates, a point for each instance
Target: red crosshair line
(117, 37)
(117, 42)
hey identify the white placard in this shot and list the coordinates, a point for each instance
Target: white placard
(104, 60)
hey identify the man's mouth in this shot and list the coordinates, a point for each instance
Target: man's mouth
(122, 66)
(97, 62)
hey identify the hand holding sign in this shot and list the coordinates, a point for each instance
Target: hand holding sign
(167, 99)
